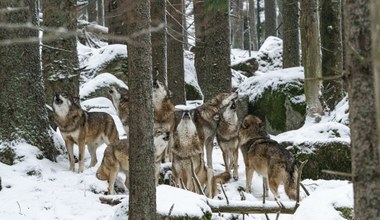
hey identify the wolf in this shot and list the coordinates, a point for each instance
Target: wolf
(227, 137)
(267, 158)
(116, 158)
(206, 118)
(120, 100)
(82, 128)
(164, 113)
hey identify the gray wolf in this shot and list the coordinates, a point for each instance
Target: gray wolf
(267, 158)
(206, 118)
(116, 158)
(82, 128)
(227, 137)
(120, 100)
(164, 113)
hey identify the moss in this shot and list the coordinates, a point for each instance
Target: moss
(333, 156)
(192, 93)
(345, 212)
(7, 155)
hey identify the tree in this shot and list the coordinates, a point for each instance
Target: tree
(291, 40)
(116, 13)
(332, 52)
(175, 71)
(200, 41)
(158, 18)
(91, 11)
(311, 59)
(59, 50)
(100, 5)
(375, 28)
(364, 139)
(142, 191)
(23, 115)
(217, 75)
(237, 24)
(252, 24)
(270, 18)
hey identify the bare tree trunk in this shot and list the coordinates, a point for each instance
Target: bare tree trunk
(217, 77)
(258, 25)
(270, 18)
(199, 49)
(175, 69)
(159, 56)
(364, 135)
(237, 24)
(332, 51)
(311, 59)
(100, 19)
(291, 39)
(91, 10)
(280, 20)
(23, 115)
(117, 11)
(375, 27)
(252, 24)
(142, 191)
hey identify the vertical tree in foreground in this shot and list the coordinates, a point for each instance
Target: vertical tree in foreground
(375, 27)
(200, 41)
(270, 18)
(311, 58)
(252, 24)
(291, 39)
(23, 115)
(142, 190)
(364, 139)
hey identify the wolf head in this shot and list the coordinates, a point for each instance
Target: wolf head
(229, 113)
(251, 127)
(186, 125)
(117, 95)
(62, 103)
(160, 92)
(161, 140)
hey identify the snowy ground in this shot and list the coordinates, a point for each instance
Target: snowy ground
(44, 190)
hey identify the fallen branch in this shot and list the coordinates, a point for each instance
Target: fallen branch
(251, 209)
(111, 201)
(225, 195)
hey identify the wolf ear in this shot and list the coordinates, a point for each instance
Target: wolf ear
(216, 117)
(244, 124)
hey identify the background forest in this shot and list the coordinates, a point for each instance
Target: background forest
(309, 69)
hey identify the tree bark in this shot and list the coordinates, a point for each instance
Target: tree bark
(217, 77)
(252, 24)
(142, 191)
(200, 41)
(364, 139)
(375, 27)
(311, 59)
(91, 10)
(100, 4)
(270, 18)
(59, 51)
(291, 39)
(237, 24)
(23, 115)
(280, 20)
(175, 67)
(116, 13)
(332, 51)
(158, 37)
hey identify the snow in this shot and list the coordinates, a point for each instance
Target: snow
(44, 190)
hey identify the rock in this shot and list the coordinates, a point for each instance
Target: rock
(248, 67)
(269, 56)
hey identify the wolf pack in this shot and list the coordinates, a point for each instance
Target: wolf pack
(184, 141)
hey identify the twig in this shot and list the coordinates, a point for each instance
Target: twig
(19, 208)
(182, 184)
(303, 163)
(224, 193)
(198, 184)
(304, 188)
(170, 212)
(277, 215)
(266, 216)
(110, 201)
(337, 173)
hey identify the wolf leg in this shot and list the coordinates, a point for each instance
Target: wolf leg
(112, 179)
(235, 157)
(249, 174)
(209, 147)
(70, 151)
(82, 148)
(92, 150)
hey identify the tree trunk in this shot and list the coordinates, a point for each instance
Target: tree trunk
(258, 25)
(158, 17)
(175, 67)
(100, 4)
(59, 51)
(375, 27)
(23, 115)
(142, 191)
(199, 49)
(252, 24)
(280, 20)
(217, 77)
(332, 56)
(291, 39)
(311, 59)
(117, 11)
(91, 10)
(237, 24)
(364, 139)
(270, 18)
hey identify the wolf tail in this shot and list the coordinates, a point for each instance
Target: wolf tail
(291, 183)
(221, 179)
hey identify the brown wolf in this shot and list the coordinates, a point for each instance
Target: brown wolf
(82, 128)
(266, 157)
(120, 99)
(206, 119)
(164, 113)
(227, 137)
(116, 158)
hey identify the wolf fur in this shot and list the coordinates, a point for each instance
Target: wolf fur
(187, 154)
(227, 137)
(267, 158)
(116, 159)
(120, 100)
(206, 118)
(164, 113)
(82, 128)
